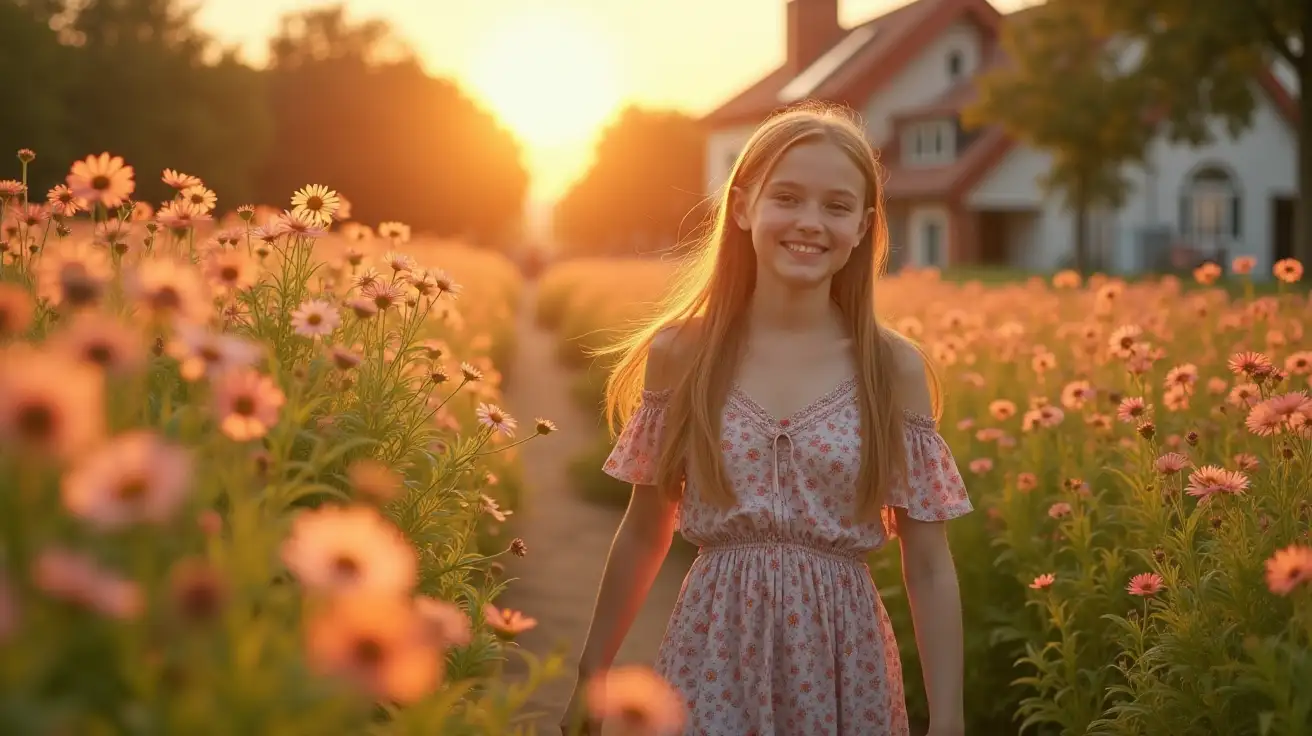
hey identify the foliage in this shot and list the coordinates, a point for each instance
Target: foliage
(643, 192)
(1201, 62)
(341, 103)
(1058, 65)
(1067, 483)
(243, 477)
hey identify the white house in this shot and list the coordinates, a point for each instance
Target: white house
(959, 197)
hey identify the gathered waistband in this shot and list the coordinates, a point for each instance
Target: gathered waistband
(857, 556)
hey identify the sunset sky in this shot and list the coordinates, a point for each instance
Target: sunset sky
(556, 70)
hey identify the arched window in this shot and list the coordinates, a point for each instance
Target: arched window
(1210, 207)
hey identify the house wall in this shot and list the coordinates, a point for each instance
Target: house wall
(923, 79)
(1261, 160)
(722, 149)
(919, 217)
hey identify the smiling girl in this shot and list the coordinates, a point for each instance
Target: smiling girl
(771, 418)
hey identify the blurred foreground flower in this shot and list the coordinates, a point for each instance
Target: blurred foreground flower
(638, 700)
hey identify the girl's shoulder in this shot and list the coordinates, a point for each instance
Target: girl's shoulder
(671, 352)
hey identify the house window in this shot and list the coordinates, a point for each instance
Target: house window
(954, 66)
(1210, 209)
(929, 143)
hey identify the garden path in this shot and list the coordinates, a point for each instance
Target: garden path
(567, 537)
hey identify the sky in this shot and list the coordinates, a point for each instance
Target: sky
(555, 71)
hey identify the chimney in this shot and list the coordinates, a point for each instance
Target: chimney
(812, 28)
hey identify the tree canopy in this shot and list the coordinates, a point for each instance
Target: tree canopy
(644, 190)
(343, 104)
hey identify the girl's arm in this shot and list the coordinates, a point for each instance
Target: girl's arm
(931, 582)
(932, 591)
(636, 555)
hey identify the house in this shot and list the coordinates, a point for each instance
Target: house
(972, 197)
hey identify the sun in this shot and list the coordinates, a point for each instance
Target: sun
(548, 77)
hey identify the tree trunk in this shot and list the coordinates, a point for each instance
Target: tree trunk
(1303, 212)
(1082, 237)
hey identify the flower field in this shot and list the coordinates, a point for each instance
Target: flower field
(252, 467)
(1140, 457)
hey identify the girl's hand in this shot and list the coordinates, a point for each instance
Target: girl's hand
(577, 721)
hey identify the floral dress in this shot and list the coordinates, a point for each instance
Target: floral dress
(778, 628)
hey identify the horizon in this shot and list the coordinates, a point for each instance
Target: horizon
(616, 53)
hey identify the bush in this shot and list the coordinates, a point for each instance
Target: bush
(228, 502)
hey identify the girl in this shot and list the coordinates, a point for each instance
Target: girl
(776, 423)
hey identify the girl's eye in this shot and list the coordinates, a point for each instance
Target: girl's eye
(785, 198)
(840, 207)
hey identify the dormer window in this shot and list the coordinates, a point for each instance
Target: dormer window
(955, 65)
(929, 143)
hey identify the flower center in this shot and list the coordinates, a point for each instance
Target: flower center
(100, 183)
(346, 567)
(36, 421)
(314, 204)
(100, 353)
(368, 651)
(132, 489)
(244, 405)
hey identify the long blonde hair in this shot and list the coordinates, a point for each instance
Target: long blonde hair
(715, 286)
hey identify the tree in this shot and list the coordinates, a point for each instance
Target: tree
(643, 189)
(355, 111)
(1061, 90)
(1201, 59)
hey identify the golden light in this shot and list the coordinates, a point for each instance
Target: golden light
(548, 77)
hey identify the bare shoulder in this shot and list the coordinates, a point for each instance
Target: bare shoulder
(911, 379)
(670, 354)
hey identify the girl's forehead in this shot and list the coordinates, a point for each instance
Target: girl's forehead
(816, 164)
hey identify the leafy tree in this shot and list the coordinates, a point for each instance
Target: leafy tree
(1060, 90)
(355, 111)
(1201, 59)
(643, 190)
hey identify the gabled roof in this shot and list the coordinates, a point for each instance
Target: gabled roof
(851, 57)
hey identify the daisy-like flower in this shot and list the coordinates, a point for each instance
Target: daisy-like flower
(1244, 394)
(1250, 364)
(506, 622)
(470, 373)
(1123, 339)
(448, 625)
(11, 188)
(1145, 584)
(247, 404)
(638, 699)
(1026, 482)
(1243, 265)
(1264, 422)
(545, 426)
(1300, 363)
(384, 295)
(1059, 509)
(231, 271)
(169, 290)
(397, 232)
(343, 359)
(141, 212)
(79, 580)
(445, 285)
(491, 508)
(49, 405)
(1288, 568)
(179, 180)
(32, 216)
(1288, 270)
(1133, 408)
(1246, 461)
(135, 477)
(1184, 376)
(399, 262)
(104, 179)
(374, 479)
(63, 202)
(74, 275)
(16, 310)
(1171, 463)
(1210, 480)
(343, 208)
(1002, 409)
(101, 341)
(1076, 394)
(496, 419)
(315, 318)
(200, 352)
(199, 197)
(1043, 581)
(181, 214)
(349, 549)
(379, 644)
(981, 465)
(317, 203)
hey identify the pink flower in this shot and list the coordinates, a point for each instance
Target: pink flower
(1145, 584)
(1059, 509)
(507, 622)
(1288, 568)
(1210, 480)
(641, 701)
(135, 477)
(1043, 581)
(1171, 463)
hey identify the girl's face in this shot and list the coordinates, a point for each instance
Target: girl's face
(807, 216)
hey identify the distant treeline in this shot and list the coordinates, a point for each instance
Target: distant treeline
(343, 104)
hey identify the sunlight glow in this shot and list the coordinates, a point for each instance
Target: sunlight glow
(549, 79)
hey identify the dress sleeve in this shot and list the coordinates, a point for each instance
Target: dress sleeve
(933, 490)
(637, 449)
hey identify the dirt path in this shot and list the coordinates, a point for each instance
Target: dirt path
(567, 538)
